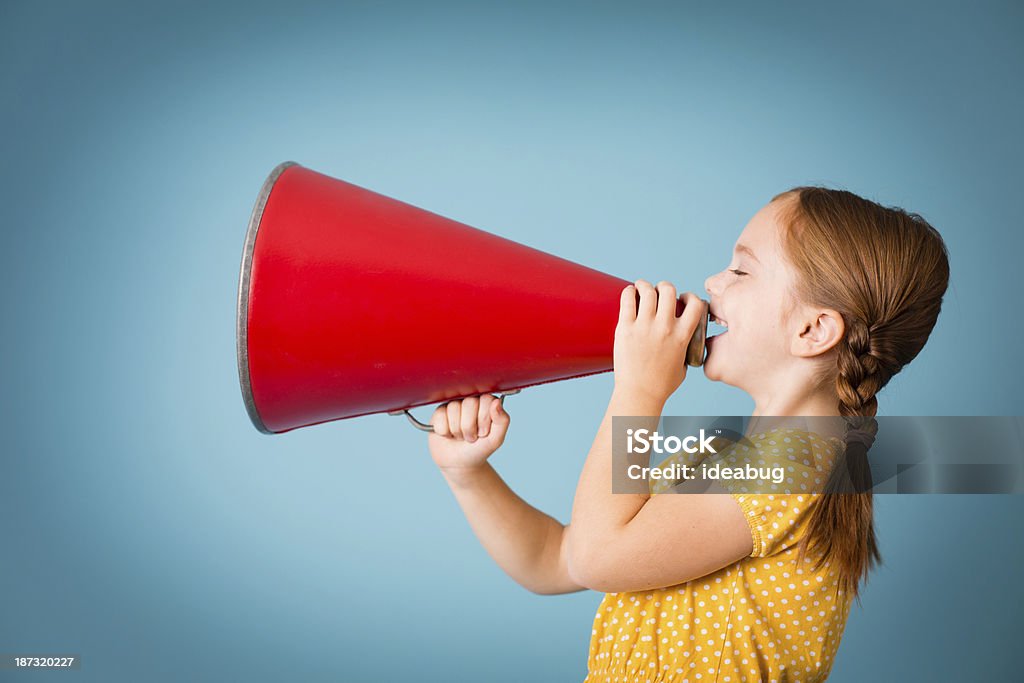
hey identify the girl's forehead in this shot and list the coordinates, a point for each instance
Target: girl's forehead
(761, 235)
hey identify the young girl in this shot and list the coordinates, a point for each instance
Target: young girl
(828, 296)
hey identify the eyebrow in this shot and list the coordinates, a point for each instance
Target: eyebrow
(746, 250)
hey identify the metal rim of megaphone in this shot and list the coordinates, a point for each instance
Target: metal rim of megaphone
(242, 309)
(430, 428)
(695, 350)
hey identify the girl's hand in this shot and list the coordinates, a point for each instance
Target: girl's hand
(466, 432)
(650, 343)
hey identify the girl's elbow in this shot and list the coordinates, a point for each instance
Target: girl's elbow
(599, 569)
(587, 568)
(596, 578)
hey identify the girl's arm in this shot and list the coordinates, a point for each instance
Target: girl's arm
(622, 542)
(526, 543)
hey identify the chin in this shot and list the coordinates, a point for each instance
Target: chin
(711, 372)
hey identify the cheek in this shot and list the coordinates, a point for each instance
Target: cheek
(755, 317)
(762, 330)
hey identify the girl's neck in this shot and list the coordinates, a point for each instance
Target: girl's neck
(806, 403)
(809, 401)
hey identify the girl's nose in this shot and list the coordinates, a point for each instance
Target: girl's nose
(709, 285)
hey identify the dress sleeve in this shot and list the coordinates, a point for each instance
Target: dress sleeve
(774, 520)
(777, 513)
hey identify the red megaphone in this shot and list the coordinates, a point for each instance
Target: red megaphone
(352, 303)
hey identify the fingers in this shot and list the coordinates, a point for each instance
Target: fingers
(467, 419)
(666, 302)
(660, 302)
(470, 406)
(648, 299)
(627, 305)
(499, 416)
(455, 419)
(656, 302)
(483, 420)
(439, 420)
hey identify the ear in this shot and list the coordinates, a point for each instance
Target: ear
(818, 330)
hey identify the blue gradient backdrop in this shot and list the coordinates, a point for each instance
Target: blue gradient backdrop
(147, 526)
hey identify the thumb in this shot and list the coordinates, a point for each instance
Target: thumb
(498, 413)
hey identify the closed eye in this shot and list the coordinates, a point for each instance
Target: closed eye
(738, 272)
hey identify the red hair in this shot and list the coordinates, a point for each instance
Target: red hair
(885, 271)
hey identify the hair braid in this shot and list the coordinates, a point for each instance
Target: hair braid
(849, 507)
(860, 376)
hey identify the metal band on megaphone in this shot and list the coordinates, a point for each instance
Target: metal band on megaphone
(429, 428)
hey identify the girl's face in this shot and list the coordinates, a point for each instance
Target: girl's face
(752, 298)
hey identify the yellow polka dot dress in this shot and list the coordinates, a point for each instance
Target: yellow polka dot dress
(764, 618)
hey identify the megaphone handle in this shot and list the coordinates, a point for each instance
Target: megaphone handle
(429, 428)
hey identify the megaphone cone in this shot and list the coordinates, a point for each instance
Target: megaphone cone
(352, 303)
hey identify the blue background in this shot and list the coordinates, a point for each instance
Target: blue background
(148, 527)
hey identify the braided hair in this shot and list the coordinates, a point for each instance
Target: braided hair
(885, 271)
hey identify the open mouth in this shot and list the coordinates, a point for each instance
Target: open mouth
(717, 325)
